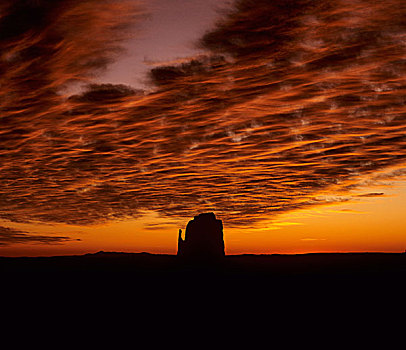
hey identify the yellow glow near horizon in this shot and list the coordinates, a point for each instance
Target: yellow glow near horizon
(367, 224)
(370, 224)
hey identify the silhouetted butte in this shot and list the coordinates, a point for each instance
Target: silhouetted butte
(203, 239)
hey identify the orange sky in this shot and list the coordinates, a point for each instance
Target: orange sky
(370, 224)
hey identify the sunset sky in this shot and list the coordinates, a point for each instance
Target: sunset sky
(120, 120)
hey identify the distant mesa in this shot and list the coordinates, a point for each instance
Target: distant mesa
(203, 239)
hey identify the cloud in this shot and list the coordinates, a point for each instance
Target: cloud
(371, 194)
(347, 211)
(293, 105)
(12, 236)
(48, 44)
(159, 227)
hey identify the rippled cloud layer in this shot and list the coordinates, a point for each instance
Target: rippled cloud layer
(293, 100)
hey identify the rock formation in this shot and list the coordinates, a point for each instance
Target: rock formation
(203, 239)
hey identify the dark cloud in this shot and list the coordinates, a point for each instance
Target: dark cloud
(371, 194)
(12, 236)
(105, 93)
(293, 101)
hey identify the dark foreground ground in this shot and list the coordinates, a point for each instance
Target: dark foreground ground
(145, 265)
(241, 289)
(151, 271)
